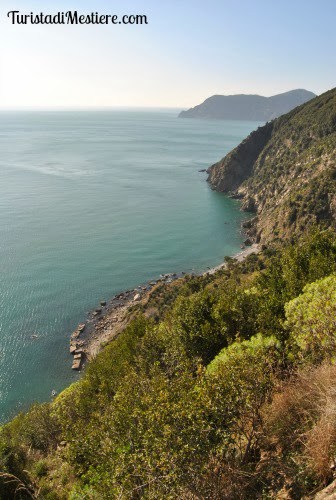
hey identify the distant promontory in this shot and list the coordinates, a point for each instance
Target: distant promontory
(248, 106)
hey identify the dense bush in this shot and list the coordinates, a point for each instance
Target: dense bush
(311, 320)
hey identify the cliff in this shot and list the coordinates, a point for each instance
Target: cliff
(248, 107)
(229, 173)
(285, 171)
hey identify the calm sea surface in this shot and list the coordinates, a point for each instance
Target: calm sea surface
(92, 203)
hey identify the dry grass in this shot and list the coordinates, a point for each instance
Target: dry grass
(301, 421)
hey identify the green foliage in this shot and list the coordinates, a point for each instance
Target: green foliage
(311, 319)
(156, 438)
(236, 311)
(37, 428)
(240, 380)
(177, 406)
(40, 468)
(12, 457)
(77, 404)
(193, 320)
(288, 271)
(112, 364)
(259, 350)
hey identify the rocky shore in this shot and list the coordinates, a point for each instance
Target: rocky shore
(109, 318)
(254, 248)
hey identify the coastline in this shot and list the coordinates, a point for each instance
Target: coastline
(239, 257)
(109, 319)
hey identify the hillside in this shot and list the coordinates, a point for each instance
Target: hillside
(285, 171)
(248, 107)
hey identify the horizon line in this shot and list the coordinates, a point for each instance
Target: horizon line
(102, 107)
(86, 108)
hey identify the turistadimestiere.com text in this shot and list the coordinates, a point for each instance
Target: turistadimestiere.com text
(75, 17)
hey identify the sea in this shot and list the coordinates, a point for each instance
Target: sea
(93, 203)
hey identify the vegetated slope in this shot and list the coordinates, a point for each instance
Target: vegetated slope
(285, 171)
(248, 107)
(223, 387)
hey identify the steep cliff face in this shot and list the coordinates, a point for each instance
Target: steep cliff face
(285, 171)
(228, 174)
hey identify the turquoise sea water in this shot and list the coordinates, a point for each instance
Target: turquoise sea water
(92, 203)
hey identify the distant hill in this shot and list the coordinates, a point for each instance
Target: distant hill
(248, 107)
(285, 171)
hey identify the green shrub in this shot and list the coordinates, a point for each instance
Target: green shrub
(38, 428)
(40, 468)
(193, 321)
(311, 320)
(241, 379)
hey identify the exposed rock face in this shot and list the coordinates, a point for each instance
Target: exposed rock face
(248, 107)
(285, 171)
(228, 174)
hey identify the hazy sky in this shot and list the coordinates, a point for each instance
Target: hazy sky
(190, 49)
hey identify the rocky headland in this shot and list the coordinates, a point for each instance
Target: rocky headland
(284, 172)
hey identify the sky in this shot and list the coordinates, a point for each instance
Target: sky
(189, 50)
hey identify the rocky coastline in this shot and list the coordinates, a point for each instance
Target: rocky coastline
(106, 321)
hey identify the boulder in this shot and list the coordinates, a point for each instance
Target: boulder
(73, 348)
(76, 364)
